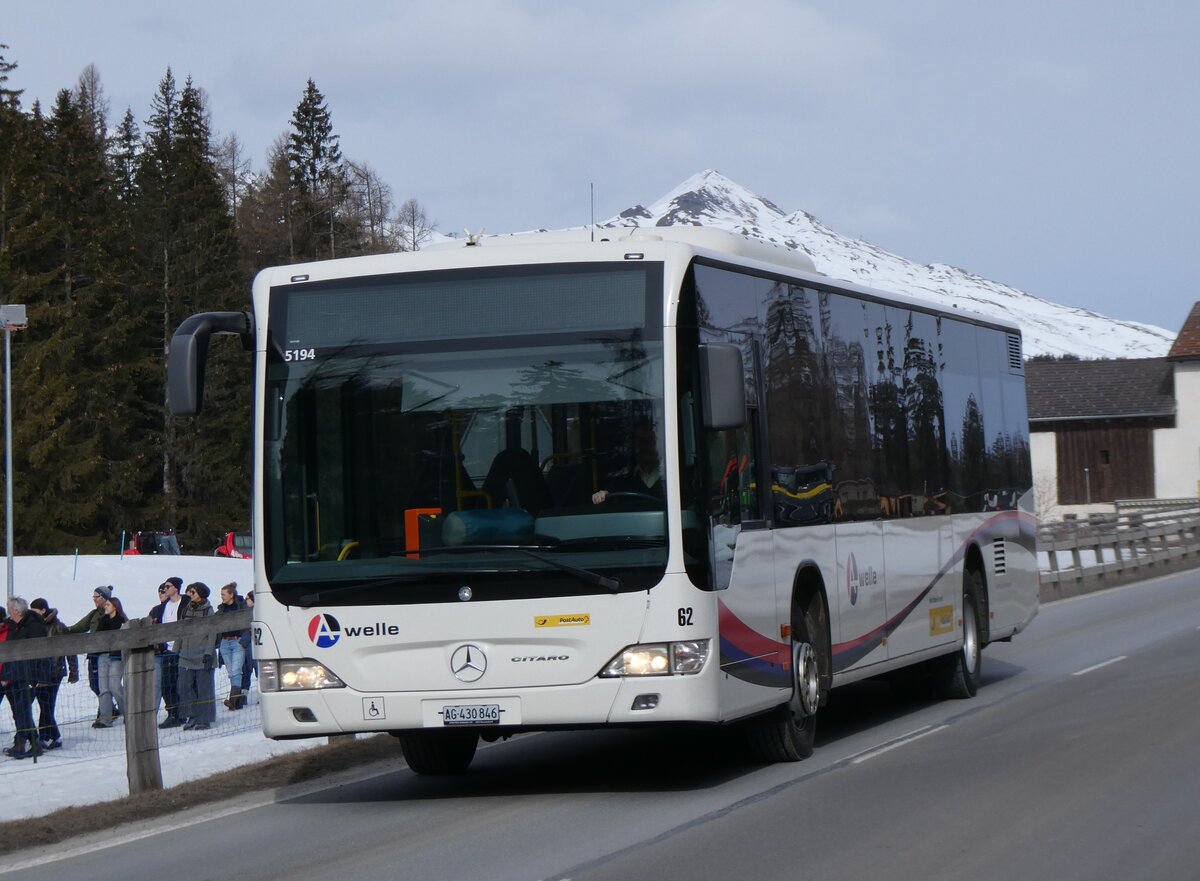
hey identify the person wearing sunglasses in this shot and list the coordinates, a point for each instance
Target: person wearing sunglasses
(166, 658)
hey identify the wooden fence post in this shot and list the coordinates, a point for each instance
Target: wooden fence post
(142, 766)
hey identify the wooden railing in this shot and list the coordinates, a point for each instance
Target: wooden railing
(1109, 549)
(136, 642)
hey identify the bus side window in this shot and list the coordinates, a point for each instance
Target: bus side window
(731, 454)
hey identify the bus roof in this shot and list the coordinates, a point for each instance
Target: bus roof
(708, 242)
(706, 237)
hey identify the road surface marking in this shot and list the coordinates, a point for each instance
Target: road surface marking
(1101, 664)
(899, 741)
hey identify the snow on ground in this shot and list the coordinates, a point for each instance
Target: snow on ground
(90, 767)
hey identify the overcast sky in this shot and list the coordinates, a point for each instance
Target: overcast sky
(1048, 145)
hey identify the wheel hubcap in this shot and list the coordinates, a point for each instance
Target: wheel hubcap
(970, 638)
(808, 690)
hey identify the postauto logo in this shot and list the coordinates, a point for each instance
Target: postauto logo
(324, 631)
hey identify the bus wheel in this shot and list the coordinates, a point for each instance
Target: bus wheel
(787, 733)
(958, 674)
(438, 752)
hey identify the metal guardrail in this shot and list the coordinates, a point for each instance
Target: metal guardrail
(1124, 505)
(1110, 549)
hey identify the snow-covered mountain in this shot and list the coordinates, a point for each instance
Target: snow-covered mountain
(711, 199)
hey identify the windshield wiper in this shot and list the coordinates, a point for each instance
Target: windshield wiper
(585, 575)
(311, 599)
(593, 542)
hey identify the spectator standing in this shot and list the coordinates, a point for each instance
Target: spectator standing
(89, 624)
(47, 692)
(166, 658)
(196, 687)
(110, 668)
(20, 679)
(232, 648)
(250, 666)
(3, 638)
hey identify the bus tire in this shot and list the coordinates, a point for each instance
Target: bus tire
(958, 674)
(788, 732)
(438, 752)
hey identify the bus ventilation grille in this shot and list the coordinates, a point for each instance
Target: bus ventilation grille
(998, 556)
(1016, 363)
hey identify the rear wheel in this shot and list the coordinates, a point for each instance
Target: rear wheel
(438, 752)
(787, 733)
(958, 674)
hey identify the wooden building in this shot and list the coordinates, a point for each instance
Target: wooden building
(1117, 429)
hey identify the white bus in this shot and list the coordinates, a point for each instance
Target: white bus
(666, 476)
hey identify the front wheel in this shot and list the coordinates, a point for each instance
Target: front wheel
(958, 674)
(438, 752)
(787, 733)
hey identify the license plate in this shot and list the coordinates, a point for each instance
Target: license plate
(471, 714)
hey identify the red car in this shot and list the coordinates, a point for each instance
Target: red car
(237, 545)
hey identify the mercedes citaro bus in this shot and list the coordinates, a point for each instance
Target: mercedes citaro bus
(634, 477)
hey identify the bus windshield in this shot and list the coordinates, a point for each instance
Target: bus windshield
(492, 431)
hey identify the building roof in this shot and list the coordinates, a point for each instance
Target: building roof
(1112, 389)
(1187, 344)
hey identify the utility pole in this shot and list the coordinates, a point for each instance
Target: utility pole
(13, 318)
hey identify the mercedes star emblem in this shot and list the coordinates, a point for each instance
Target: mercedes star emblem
(468, 663)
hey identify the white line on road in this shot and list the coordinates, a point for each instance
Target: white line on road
(1101, 664)
(899, 741)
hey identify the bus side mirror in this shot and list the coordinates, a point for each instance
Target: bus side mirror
(723, 382)
(188, 355)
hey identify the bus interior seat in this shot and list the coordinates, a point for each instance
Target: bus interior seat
(568, 484)
(514, 478)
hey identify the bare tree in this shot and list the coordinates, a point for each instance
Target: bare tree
(234, 170)
(372, 200)
(89, 95)
(413, 225)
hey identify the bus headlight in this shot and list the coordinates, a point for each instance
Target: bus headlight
(301, 674)
(659, 659)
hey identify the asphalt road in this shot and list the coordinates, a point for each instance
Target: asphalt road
(1079, 759)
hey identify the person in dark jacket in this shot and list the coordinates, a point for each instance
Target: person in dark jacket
(645, 475)
(20, 679)
(111, 668)
(47, 693)
(232, 646)
(251, 666)
(196, 668)
(3, 638)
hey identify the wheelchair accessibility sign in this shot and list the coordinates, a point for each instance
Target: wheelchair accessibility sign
(373, 709)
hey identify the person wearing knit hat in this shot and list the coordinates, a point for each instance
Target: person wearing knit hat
(46, 693)
(197, 688)
(90, 623)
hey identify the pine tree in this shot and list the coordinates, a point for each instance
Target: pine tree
(265, 213)
(192, 267)
(321, 227)
(124, 161)
(70, 399)
(9, 98)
